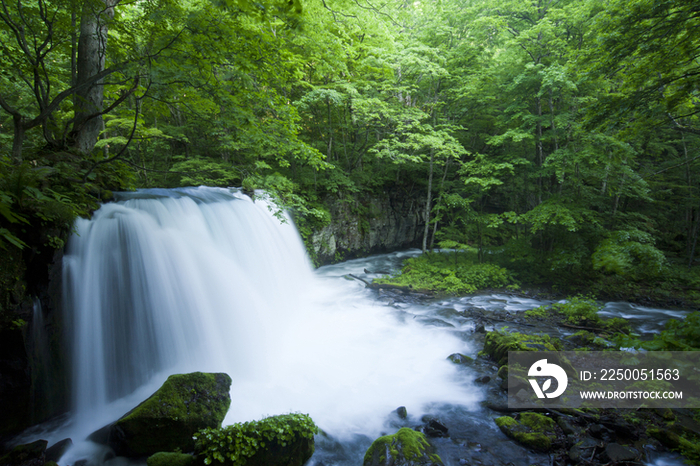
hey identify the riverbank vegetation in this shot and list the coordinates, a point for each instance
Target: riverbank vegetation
(559, 140)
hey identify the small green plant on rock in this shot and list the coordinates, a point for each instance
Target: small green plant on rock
(235, 445)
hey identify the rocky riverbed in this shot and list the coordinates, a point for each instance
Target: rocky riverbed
(471, 426)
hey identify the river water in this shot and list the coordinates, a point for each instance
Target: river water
(204, 279)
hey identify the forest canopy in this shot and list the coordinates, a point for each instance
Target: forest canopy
(563, 133)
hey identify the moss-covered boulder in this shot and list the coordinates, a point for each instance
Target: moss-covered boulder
(30, 454)
(497, 344)
(406, 447)
(169, 418)
(530, 429)
(284, 440)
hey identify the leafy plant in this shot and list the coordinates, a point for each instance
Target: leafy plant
(629, 253)
(578, 309)
(677, 335)
(233, 445)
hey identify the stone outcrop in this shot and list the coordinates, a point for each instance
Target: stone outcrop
(369, 226)
(33, 377)
(169, 418)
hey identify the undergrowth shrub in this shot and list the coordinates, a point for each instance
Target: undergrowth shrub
(452, 273)
(677, 335)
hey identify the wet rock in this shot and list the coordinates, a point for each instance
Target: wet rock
(459, 358)
(575, 453)
(55, 451)
(169, 418)
(483, 380)
(685, 424)
(480, 328)
(30, 454)
(533, 430)
(402, 412)
(620, 428)
(665, 413)
(404, 448)
(617, 453)
(566, 426)
(433, 321)
(434, 428)
(599, 431)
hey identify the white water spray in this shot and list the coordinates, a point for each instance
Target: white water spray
(203, 279)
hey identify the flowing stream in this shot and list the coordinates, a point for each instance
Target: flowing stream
(204, 279)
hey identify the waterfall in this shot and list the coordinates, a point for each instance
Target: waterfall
(204, 279)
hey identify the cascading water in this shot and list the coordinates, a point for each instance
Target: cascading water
(204, 279)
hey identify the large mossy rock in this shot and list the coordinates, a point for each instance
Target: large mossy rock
(170, 417)
(284, 440)
(497, 344)
(532, 430)
(406, 447)
(30, 454)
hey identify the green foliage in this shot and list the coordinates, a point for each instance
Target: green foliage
(677, 335)
(629, 253)
(454, 273)
(235, 444)
(578, 310)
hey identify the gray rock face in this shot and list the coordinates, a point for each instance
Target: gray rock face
(369, 226)
(620, 453)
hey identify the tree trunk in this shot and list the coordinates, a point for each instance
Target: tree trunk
(92, 47)
(18, 138)
(695, 239)
(540, 150)
(427, 203)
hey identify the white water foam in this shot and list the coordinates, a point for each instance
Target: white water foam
(203, 279)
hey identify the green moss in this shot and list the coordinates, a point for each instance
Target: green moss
(170, 459)
(27, 453)
(497, 344)
(540, 312)
(179, 398)
(406, 444)
(536, 421)
(530, 429)
(506, 421)
(167, 420)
